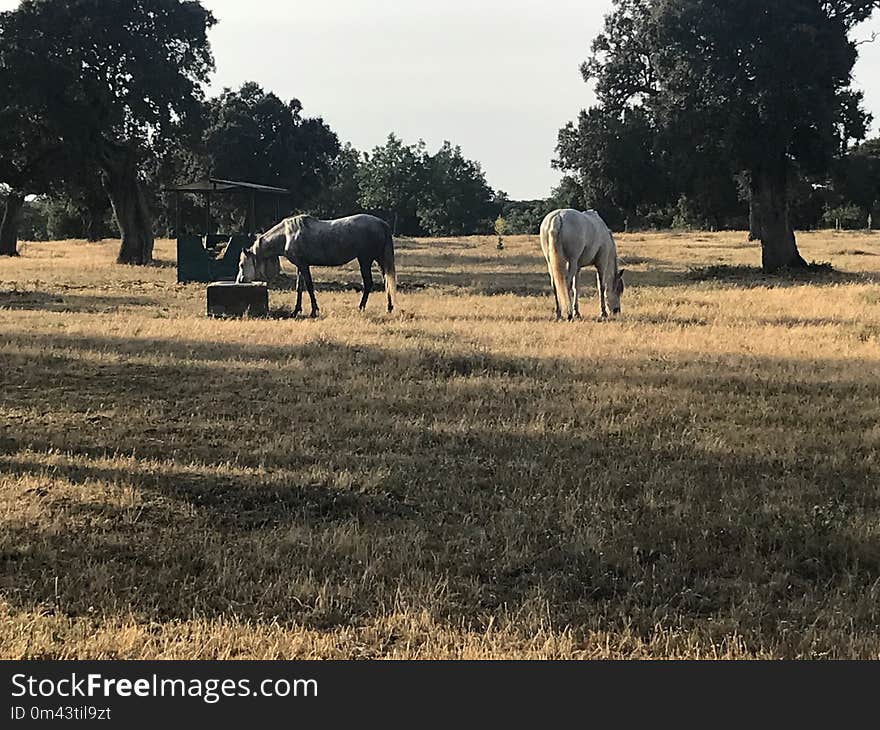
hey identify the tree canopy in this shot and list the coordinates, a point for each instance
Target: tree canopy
(442, 194)
(391, 179)
(456, 200)
(114, 81)
(752, 86)
(857, 177)
(252, 135)
(33, 155)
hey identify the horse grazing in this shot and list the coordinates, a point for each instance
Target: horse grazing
(307, 242)
(571, 240)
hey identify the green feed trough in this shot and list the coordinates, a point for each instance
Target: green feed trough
(206, 257)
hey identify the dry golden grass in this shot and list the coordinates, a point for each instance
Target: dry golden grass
(463, 479)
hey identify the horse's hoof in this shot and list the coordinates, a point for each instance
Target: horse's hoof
(315, 314)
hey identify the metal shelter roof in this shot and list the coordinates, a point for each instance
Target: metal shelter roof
(216, 185)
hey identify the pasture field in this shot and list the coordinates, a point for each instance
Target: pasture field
(463, 479)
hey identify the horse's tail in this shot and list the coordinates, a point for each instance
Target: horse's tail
(558, 265)
(389, 270)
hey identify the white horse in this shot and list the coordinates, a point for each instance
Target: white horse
(307, 242)
(571, 240)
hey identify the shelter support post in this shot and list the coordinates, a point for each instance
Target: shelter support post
(207, 214)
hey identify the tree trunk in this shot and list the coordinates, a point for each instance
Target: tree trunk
(769, 206)
(119, 167)
(93, 218)
(93, 229)
(9, 224)
(754, 223)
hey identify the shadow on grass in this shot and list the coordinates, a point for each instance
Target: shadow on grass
(321, 484)
(353, 284)
(532, 280)
(817, 274)
(39, 301)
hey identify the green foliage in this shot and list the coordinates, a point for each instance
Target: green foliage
(443, 194)
(34, 155)
(759, 78)
(455, 199)
(568, 194)
(115, 82)
(252, 135)
(692, 92)
(59, 217)
(614, 155)
(32, 224)
(391, 180)
(85, 87)
(523, 217)
(848, 217)
(636, 173)
(500, 226)
(340, 193)
(808, 201)
(686, 216)
(856, 176)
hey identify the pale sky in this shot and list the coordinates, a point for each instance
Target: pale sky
(498, 77)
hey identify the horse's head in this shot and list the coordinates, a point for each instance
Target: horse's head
(615, 291)
(250, 268)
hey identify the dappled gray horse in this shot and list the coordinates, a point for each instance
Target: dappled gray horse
(571, 240)
(307, 242)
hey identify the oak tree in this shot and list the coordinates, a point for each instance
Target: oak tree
(767, 83)
(113, 80)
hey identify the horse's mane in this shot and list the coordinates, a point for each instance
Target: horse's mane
(297, 222)
(303, 221)
(274, 229)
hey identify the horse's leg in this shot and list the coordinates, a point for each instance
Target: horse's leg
(574, 292)
(555, 298)
(300, 283)
(381, 264)
(570, 279)
(310, 287)
(601, 284)
(367, 273)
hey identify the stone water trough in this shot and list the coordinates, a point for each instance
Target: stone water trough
(231, 299)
